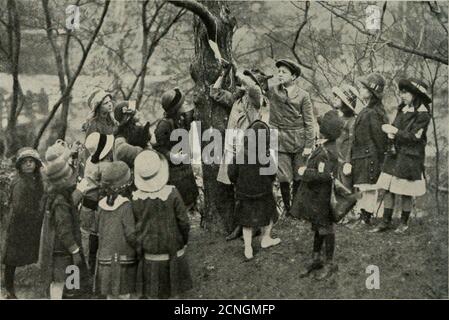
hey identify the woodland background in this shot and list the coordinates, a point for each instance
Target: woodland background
(138, 49)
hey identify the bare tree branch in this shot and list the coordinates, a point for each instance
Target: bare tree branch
(390, 43)
(298, 32)
(75, 76)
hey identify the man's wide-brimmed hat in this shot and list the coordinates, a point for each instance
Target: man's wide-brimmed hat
(291, 65)
(99, 145)
(28, 152)
(375, 83)
(347, 94)
(415, 86)
(150, 171)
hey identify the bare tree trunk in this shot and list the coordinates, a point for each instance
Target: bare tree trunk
(14, 40)
(213, 21)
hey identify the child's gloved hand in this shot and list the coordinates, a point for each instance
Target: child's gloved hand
(321, 167)
(301, 170)
(347, 169)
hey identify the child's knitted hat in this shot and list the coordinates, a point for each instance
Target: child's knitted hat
(28, 152)
(116, 175)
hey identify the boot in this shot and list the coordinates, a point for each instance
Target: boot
(403, 226)
(10, 294)
(328, 269)
(285, 192)
(386, 221)
(365, 218)
(315, 264)
(235, 234)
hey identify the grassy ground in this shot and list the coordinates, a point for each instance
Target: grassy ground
(411, 266)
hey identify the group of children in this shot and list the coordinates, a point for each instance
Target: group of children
(120, 202)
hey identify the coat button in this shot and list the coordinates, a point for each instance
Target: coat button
(367, 150)
(372, 162)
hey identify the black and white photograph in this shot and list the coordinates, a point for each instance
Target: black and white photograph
(223, 150)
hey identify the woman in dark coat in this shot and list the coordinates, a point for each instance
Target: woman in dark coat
(370, 144)
(403, 169)
(256, 206)
(312, 201)
(25, 222)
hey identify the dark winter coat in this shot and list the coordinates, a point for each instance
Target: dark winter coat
(410, 142)
(65, 222)
(370, 144)
(100, 125)
(162, 226)
(293, 117)
(344, 144)
(25, 221)
(181, 175)
(312, 200)
(256, 205)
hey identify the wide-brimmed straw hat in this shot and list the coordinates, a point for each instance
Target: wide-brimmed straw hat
(150, 171)
(415, 86)
(99, 145)
(347, 94)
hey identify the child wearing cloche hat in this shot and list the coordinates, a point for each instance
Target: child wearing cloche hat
(117, 259)
(25, 217)
(312, 201)
(164, 227)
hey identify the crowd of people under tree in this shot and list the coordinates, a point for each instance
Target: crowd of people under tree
(116, 200)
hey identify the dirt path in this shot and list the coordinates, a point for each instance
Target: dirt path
(411, 266)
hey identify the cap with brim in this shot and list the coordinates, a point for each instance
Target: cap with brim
(375, 83)
(28, 152)
(345, 95)
(150, 171)
(292, 66)
(99, 145)
(415, 86)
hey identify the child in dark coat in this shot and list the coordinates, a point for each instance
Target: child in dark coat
(24, 227)
(162, 228)
(312, 201)
(117, 259)
(403, 170)
(256, 206)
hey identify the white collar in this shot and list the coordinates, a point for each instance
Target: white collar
(161, 194)
(117, 203)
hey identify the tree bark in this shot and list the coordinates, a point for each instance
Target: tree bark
(14, 41)
(214, 21)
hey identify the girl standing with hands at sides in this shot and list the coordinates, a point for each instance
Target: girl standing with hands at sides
(403, 170)
(26, 215)
(117, 259)
(370, 144)
(312, 201)
(163, 228)
(256, 206)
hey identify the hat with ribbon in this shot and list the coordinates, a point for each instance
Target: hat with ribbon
(99, 145)
(347, 94)
(415, 86)
(150, 171)
(172, 101)
(375, 83)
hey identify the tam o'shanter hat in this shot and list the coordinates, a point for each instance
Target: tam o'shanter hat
(292, 66)
(58, 149)
(150, 171)
(99, 145)
(415, 86)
